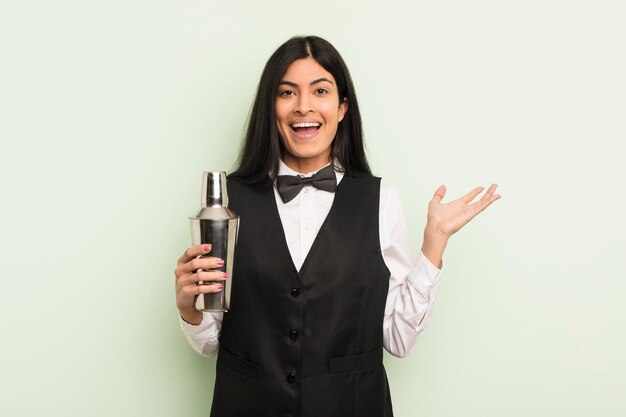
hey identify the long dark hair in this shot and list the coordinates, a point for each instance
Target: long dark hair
(262, 148)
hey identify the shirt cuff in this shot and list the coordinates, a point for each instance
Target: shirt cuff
(190, 328)
(424, 273)
(204, 338)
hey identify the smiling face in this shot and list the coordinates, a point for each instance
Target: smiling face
(308, 111)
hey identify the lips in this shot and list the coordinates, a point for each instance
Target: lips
(305, 130)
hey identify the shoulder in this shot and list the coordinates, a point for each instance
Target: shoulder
(242, 192)
(362, 179)
(390, 204)
(389, 195)
(252, 184)
(390, 215)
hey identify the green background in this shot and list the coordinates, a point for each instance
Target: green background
(111, 110)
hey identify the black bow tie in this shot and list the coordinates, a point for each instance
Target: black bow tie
(290, 185)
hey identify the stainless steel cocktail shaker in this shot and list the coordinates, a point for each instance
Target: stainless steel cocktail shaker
(216, 224)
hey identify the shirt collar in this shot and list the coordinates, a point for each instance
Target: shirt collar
(283, 169)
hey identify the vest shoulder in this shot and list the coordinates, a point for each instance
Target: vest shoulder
(240, 183)
(363, 178)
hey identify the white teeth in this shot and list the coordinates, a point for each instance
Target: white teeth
(306, 124)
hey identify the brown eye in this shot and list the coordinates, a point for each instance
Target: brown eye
(321, 91)
(286, 93)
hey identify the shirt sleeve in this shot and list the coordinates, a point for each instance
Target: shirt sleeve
(412, 284)
(204, 338)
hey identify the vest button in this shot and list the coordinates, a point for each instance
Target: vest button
(293, 335)
(295, 292)
(291, 377)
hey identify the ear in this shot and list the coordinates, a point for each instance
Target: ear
(343, 108)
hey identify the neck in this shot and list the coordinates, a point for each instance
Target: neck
(304, 166)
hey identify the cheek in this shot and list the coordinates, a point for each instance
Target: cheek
(282, 142)
(282, 128)
(280, 114)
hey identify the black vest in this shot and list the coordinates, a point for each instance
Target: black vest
(307, 343)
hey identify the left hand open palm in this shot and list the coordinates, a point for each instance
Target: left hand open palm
(447, 218)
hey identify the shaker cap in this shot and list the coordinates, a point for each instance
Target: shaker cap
(214, 189)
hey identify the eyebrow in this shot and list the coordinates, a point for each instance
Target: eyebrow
(319, 80)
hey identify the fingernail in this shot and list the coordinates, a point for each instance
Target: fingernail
(224, 275)
(220, 262)
(220, 286)
(206, 248)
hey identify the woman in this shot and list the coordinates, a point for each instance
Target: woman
(324, 276)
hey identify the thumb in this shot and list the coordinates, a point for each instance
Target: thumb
(439, 194)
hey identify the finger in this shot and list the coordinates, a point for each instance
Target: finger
(193, 290)
(490, 191)
(211, 288)
(439, 194)
(472, 194)
(201, 277)
(208, 276)
(481, 204)
(193, 252)
(201, 263)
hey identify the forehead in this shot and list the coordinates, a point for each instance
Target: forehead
(306, 70)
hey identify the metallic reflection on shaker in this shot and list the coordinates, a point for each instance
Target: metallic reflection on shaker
(216, 224)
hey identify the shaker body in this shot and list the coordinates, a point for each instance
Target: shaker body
(222, 235)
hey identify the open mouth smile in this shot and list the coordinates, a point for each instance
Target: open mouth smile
(305, 130)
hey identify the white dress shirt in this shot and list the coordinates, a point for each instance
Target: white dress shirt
(412, 285)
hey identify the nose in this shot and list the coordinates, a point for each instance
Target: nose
(304, 105)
